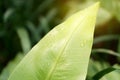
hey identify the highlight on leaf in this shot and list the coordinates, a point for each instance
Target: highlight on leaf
(63, 54)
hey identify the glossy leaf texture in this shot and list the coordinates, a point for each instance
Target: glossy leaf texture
(63, 54)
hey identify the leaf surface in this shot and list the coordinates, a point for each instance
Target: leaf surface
(63, 54)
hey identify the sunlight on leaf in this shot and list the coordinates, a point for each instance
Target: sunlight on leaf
(63, 54)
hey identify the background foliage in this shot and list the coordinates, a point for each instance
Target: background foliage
(24, 22)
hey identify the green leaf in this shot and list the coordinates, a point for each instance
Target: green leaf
(63, 54)
(104, 38)
(24, 39)
(107, 51)
(103, 72)
(10, 67)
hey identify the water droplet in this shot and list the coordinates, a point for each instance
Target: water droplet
(83, 43)
(48, 64)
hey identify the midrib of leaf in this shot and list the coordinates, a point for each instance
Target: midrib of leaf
(62, 51)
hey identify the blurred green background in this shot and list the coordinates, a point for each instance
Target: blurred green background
(24, 22)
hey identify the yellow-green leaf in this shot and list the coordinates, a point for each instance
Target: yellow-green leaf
(63, 54)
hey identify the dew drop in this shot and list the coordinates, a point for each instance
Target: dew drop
(48, 64)
(83, 43)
